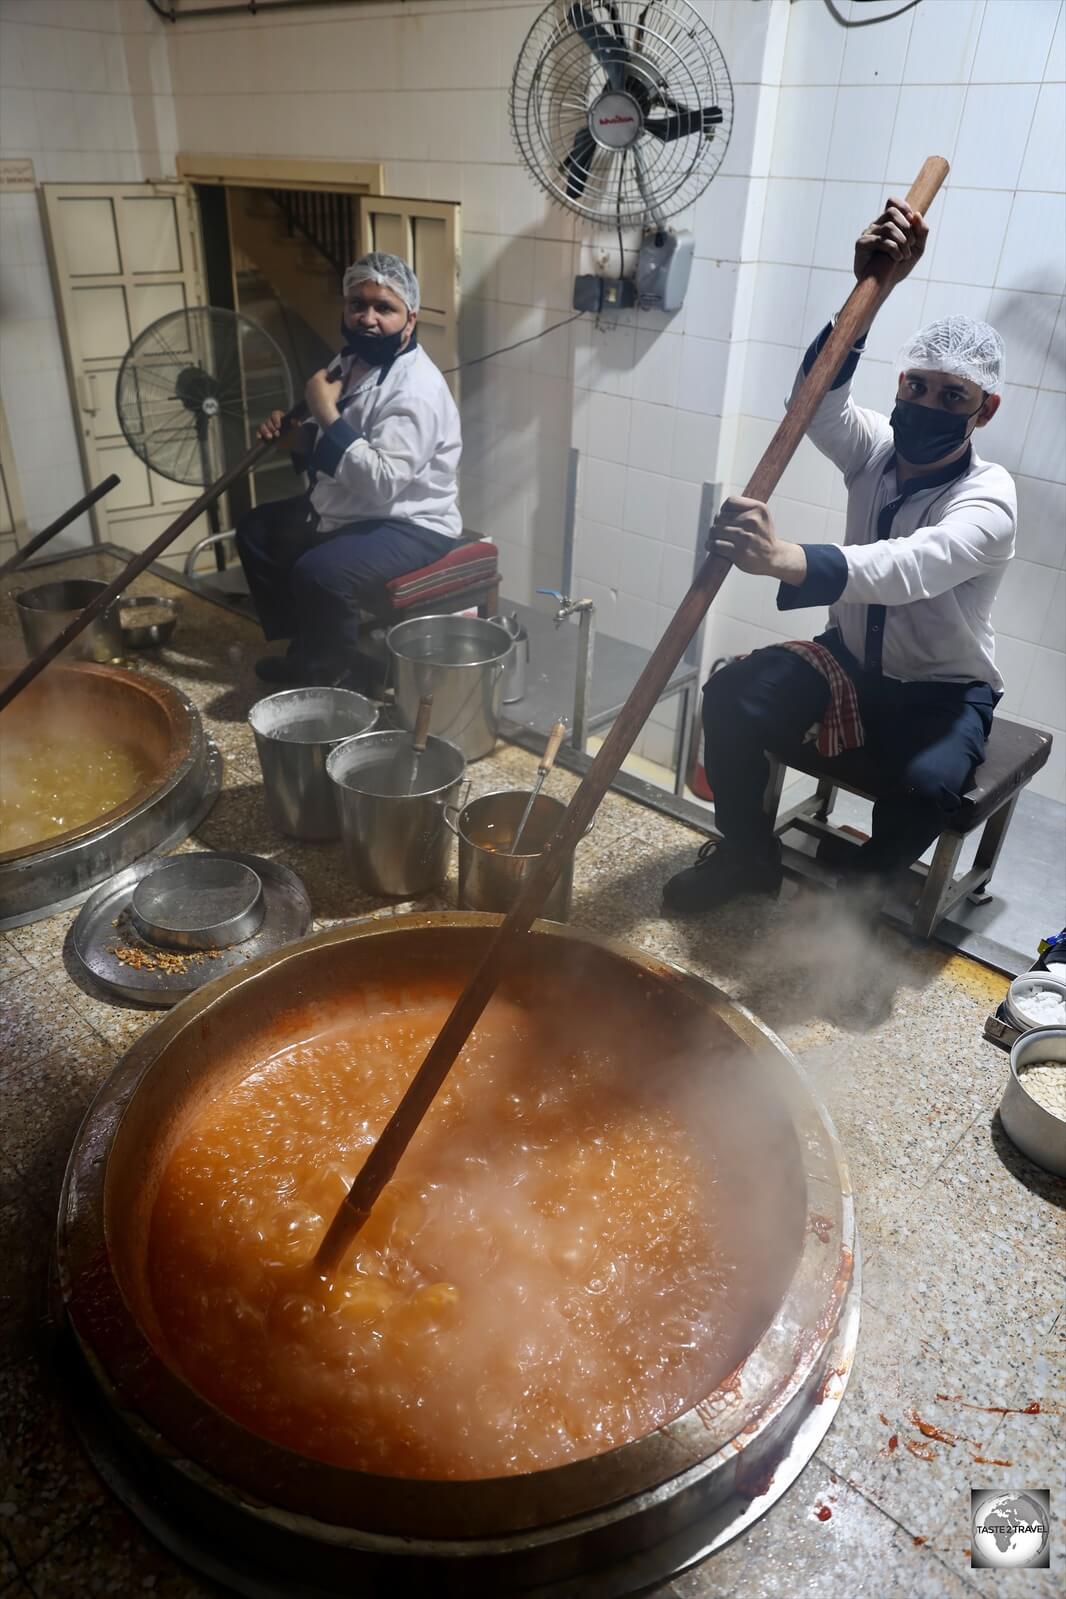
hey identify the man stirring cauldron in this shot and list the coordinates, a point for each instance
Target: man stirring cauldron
(901, 688)
(382, 453)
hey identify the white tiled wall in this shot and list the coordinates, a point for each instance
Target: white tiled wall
(84, 92)
(980, 82)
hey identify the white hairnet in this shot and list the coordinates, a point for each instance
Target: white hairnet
(961, 346)
(381, 267)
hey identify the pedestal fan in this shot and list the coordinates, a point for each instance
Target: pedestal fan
(193, 388)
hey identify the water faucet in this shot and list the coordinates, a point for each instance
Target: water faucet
(585, 611)
(566, 606)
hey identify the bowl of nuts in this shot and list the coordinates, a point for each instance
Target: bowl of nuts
(1033, 1107)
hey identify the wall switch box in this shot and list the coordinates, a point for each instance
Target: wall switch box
(663, 267)
(593, 293)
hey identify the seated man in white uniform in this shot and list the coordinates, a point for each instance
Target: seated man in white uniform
(904, 680)
(382, 454)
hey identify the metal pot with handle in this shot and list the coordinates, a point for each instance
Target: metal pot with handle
(490, 877)
(459, 662)
(45, 610)
(514, 675)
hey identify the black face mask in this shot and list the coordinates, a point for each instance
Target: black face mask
(924, 435)
(372, 348)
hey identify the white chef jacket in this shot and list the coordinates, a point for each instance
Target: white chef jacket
(394, 452)
(938, 570)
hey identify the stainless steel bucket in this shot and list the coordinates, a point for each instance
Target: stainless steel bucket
(489, 878)
(45, 610)
(294, 733)
(395, 840)
(460, 661)
(514, 673)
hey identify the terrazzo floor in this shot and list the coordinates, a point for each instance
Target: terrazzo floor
(962, 1238)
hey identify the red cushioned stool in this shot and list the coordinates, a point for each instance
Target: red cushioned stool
(468, 575)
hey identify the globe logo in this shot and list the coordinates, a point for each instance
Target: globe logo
(1010, 1530)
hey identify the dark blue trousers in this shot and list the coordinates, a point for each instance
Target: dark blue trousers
(923, 741)
(309, 586)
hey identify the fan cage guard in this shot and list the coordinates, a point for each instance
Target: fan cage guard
(558, 78)
(194, 387)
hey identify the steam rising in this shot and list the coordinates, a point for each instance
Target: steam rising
(583, 1239)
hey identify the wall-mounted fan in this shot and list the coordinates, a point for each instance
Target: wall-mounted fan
(622, 111)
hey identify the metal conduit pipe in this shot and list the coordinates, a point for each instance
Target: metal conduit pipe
(248, 8)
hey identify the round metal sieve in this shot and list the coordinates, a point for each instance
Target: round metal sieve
(198, 902)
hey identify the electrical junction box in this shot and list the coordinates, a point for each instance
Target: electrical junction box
(592, 293)
(663, 267)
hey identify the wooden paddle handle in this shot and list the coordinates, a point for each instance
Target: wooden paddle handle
(862, 304)
(551, 749)
(401, 1126)
(422, 721)
(39, 540)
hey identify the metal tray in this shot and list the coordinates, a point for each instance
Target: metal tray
(104, 923)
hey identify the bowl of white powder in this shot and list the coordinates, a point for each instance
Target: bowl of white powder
(1033, 1107)
(1037, 1000)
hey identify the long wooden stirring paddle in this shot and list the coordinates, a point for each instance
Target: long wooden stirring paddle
(862, 303)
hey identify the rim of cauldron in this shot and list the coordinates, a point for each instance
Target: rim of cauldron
(352, 1506)
(180, 714)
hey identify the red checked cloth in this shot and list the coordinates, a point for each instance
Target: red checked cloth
(841, 727)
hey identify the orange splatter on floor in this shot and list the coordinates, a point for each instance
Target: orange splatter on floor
(1032, 1409)
(929, 1430)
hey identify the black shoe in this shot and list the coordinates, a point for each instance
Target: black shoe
(720, 874)
(840, 854)
(290, 669)
(297, 671)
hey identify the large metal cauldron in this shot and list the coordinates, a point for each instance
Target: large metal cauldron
(271, 1522)
(182, 783)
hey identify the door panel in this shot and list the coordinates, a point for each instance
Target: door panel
(100, 322)
(151, 301)
(426, 234)
(152, 238)
(90, 237)
(122, 257)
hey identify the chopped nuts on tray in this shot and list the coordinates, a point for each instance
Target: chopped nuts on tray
(147, 958)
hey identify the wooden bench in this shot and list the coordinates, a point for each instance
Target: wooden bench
(1015, 754)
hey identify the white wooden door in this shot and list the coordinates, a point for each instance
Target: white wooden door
(122, 256)
(426, 234)
(13, 530)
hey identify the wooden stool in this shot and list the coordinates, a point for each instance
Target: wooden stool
(1014, 755)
